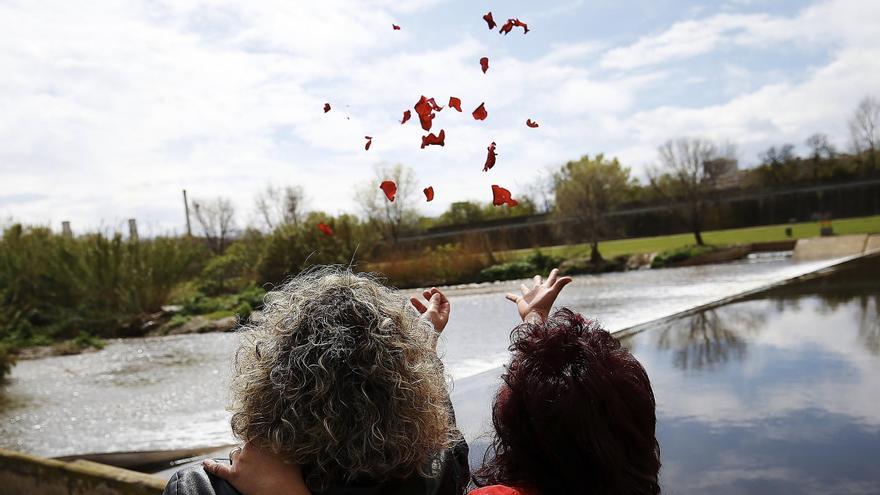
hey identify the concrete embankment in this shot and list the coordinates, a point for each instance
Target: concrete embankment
(23, 473)
(819, 248)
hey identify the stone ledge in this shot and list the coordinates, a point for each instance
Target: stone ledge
(25, 473)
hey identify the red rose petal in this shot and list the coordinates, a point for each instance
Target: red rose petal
(323, 227)
(501, 196)
(454, 103)
(519, 23)
(395, 27)
(508, 26)
(489, 20)
(429, 193)
(369, 142)
(490, 157)
(480, 113)
(326, 107)
(430, 139)
(531, 124)
(423, 109)
(389, 188)
(484, 63)
(406, 115)
(434, 105)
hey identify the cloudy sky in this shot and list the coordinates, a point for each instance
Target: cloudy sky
(109, 108)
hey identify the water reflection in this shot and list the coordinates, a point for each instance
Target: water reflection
(708, 339)
(777, 394)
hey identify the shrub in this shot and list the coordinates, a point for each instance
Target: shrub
(677, 255)
(7, 360)
(535, 263)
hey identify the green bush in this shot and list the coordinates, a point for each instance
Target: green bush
(7, 360)
(535, 263)
(677, 255)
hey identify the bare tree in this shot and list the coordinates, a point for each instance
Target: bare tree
(864, 128)
(685, 176)
(277, 206)
(216, 217)
(586, 190)
(392, 217)
(820, 149)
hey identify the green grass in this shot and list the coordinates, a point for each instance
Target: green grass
(610, 249)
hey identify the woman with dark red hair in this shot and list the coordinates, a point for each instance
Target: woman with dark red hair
(575, 414)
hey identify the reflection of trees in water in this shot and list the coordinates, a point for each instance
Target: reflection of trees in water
(869, 322)
(710, 338)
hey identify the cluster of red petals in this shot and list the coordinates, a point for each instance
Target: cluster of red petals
(326, 107)
(490, 157)
(484, 64)
(395, 27)
(501, 196)
(323, 227)
(430, 139)
(369, 142)
(480, 113)
(389, 188)
(425, 109)
(489, 20)
(455, 103)
(406, 115)
(429, 193)
(511, 23)
(531, 124)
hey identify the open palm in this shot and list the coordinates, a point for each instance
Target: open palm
(537, 301)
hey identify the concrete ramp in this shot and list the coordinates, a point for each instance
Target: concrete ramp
(873, 244)
(821, 248)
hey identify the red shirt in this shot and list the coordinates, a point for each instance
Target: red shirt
(497, 490)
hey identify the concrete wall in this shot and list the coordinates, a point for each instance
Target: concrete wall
(820, 248)
(23, 473)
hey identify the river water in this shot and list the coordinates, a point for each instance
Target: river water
(170, 392)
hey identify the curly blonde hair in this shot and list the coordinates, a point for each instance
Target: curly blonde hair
(340, 375)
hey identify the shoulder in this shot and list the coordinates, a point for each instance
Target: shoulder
(194, 480)
(496, 490)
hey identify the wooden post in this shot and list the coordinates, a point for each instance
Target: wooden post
(132, 229)
(186, 210)
(65, 229)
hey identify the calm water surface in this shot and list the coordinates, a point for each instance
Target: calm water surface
(170, 392)
(774, 395)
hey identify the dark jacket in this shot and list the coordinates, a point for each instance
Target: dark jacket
(451, 478)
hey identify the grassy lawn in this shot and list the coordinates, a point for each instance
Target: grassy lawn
(610, 249)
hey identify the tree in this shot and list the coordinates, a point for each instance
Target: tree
(586, 190)
(394, 218)
(820, 149)
(277, 206)
(216, 217)
(683, 175)
(864, 128)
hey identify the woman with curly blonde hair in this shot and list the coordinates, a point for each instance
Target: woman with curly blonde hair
(340, 380)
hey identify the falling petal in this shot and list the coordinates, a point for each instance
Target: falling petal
(530, 123)
(389, 188)
(454, 103)
(326, 107)
(484, 63)
(323, 227)
(490, 21)
(369, 142)
(490, 157)
(395, 27)
(480, 113)
(501, 196)
(430, 139)
(406, 115)
(429, 193)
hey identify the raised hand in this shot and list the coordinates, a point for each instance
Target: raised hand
(437, 309)
(537, 301)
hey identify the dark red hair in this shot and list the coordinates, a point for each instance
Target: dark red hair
(576, 414)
